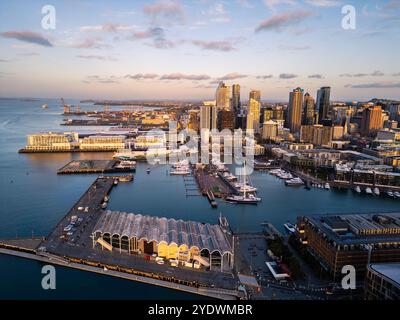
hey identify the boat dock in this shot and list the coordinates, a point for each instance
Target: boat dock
(96, 166)
(71, 246)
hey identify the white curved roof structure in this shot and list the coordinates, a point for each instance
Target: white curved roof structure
(150, 228)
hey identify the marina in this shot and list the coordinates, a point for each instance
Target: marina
(34, 175)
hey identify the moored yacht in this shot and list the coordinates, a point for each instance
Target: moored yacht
(244, 187)
(124, 154)
(327, 186)
(294, 182)
(368, 190)
(376, 191)
(357, 189)
(290, 227)
(245, 199)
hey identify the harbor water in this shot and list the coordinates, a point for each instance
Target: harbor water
(33, 198)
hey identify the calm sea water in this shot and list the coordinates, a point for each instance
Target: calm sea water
(33, 198)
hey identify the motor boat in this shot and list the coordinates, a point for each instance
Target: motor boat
(376, 191)
(290, 227)
(368, 190)
(294, 182)
(357, 189)
(327, 186)
(244, 199)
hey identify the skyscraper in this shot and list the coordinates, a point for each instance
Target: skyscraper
(208, 116)
(193, 120)
(323, 103)
(254, 110)
(236, 98)
(294, 110)
(371, 121)
(309, 110)
(255, 94)
(226, 120)
(222, 97)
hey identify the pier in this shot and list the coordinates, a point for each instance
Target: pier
(96, 166)
(74, 249)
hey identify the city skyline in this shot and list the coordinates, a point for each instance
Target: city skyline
(182, 49)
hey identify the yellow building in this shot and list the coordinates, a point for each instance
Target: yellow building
(185, 241)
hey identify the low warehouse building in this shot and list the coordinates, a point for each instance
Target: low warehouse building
(186, 241)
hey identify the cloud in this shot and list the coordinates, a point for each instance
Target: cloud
(323, 3)
(4, 60)
(272, 3)
(232, 76)
(28, 54)
(375, 85)
(294, 48)
(99, 79)
(158, 36)
(279, 22)
(27, 36)
(91, 43)
(376, 73)
(245, 4)
(397, 74)
(140, 76)
(392, 5)
(218, 13)
(217, 9)
(268, 76)
(316, 76)
(204, 86)
(288, 76)
(107, 27)
(169, 11)
(221, 45)
(156, 32)
(181, 76)
(96, 57)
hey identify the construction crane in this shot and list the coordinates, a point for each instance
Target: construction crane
(65, 106)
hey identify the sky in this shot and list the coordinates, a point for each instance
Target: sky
(177, 49)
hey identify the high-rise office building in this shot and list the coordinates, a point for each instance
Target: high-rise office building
(278, 113)
(226, 120)
(268, 114)
(249, 121)
(255, 94)
(323, 103)
(236, 98)
(294, 110)
(372, 121)
(194, 123)
(254, 110)
(309, 110)
(223, 97)
(269, 130)
(208, 116)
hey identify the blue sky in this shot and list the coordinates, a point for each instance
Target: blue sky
(176, 49)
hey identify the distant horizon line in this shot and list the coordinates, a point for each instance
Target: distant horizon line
(180, 100)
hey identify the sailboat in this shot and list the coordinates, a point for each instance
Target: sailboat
(245, 198)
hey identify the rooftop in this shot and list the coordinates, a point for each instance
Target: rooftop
(354, 229)
(150, 228)
(390, 271)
